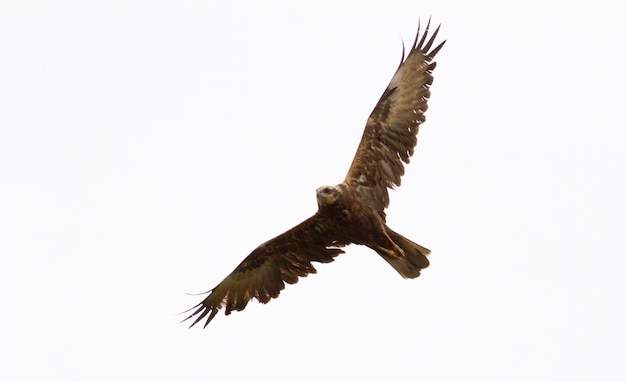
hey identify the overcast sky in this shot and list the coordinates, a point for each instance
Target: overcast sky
(146, 147)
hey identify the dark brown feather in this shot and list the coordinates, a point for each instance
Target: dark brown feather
(263, 274)
(391, 131)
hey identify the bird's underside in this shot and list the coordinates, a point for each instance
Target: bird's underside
(352, 211)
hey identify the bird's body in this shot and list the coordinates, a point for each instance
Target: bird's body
(354, 220)
(350, 212)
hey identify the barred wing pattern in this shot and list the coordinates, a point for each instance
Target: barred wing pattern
(263, 274)
(391, 131)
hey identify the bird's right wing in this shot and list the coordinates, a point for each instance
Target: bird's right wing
(263, 274)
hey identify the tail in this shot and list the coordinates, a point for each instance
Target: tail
(414, 259)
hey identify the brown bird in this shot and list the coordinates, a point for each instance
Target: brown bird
(352, 211)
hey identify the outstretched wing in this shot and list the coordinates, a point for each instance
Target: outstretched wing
(390, 134)
(263, 274)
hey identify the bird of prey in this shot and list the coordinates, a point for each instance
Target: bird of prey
(352, 211)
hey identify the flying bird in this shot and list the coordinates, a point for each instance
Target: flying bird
(352, 211)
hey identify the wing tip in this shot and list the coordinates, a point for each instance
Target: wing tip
(423, 43)
(202, 310)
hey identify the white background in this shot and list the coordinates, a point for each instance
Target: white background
(146, 147)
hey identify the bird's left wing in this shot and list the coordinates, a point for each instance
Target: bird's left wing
(390, 134)
(263, 274)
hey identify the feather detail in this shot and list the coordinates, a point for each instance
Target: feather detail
(391, 131)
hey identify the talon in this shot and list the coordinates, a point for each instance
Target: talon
(395, 252)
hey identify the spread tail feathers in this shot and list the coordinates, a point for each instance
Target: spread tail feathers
(414, 259)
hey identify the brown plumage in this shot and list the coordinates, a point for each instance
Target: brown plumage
(352, 211)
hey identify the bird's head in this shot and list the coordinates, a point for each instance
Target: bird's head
(327, 195)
